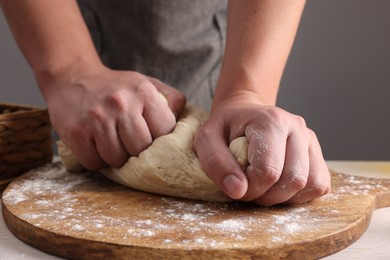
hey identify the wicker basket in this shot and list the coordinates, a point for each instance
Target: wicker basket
(25, 139)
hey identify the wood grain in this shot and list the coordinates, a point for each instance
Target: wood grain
(76, 215)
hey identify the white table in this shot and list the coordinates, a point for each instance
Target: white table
(374, 244)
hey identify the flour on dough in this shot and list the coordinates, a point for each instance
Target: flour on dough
(170, 165)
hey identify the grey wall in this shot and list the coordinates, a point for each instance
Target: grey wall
(16, 79)
(337, 77)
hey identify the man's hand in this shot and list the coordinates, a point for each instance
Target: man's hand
(105, 116)
(285, 159)
(102, 115)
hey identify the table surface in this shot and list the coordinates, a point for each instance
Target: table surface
(372, 245)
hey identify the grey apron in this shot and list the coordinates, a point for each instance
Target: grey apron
(179, 42)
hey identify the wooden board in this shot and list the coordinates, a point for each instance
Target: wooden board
(4, 184)
(84, 215)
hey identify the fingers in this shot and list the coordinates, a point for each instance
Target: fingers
(88, 156)
(157, 114)
(266, 151)
(113, 140)
(319, 181)
(111, 115)
(134, 133)
(124, 125)
(219, 164)
(109, 145)
(146, 121)
(284, 156)
(83, 147)
(176, 100)
(285, 166)
(295, 169)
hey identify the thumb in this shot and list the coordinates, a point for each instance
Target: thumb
(219, 164)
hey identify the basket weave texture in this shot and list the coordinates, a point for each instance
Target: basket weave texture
(25, 139)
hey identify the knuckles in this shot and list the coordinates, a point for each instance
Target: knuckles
(278, 123)
(278, 118)
(300, 122)
(267, 175)
(311, 134)
(178, 102)
(76, 132)
(298, 183)
(117, 100)
(320, 190)
(94, 115)
(145, 90)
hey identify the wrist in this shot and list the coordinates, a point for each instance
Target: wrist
(70, 72)
(243, 87)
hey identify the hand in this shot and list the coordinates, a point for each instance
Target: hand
(104, 116)
(285, 159)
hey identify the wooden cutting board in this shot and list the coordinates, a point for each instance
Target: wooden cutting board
(85, 215)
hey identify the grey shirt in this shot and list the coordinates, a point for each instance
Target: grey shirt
(179, 42)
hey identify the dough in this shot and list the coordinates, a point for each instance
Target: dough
(170, 165)
(239, 148)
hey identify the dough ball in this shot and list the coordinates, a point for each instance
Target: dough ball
(239, 149)
(170, 165)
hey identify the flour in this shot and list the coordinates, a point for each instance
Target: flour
(231, 225)
(292, 228)
(78, 227)
(174, 222)
(294, 221)
(51, 181)
(42, 202)
(356, 187)
(144, 222)
(97, 225)
(51, 200)
(189, 217)
(148, 233)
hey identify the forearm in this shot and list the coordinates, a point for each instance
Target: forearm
(259, 39)
(52, 36)
(285, 163)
